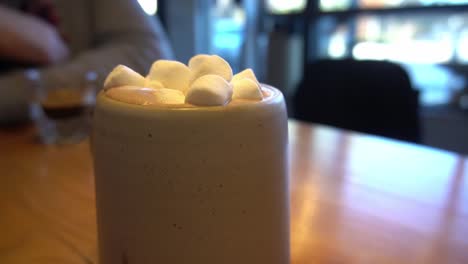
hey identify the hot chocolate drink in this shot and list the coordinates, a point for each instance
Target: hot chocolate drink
(191, 170)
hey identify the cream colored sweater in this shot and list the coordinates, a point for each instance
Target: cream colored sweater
(100, 35)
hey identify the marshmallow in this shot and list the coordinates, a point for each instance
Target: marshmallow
(145, 96)
(132, 95)
(247, 73)
(209, 90)
(209, 64)
(171, 74)
(169, 96)
(246, 89)
(153, 84)
(122, 75)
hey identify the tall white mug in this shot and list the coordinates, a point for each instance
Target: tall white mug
(198, 185)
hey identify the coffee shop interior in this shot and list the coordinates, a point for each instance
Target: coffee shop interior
(396, 68)
(376, 96)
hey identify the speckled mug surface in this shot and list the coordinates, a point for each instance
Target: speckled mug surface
(198, 185)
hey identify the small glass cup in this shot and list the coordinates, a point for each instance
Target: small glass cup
(62, 113)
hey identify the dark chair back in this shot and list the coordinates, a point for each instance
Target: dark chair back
(367, 96)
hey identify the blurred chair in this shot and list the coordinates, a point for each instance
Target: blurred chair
(367, 96)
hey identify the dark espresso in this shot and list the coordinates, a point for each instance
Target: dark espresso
(63, 112)
(63, 104)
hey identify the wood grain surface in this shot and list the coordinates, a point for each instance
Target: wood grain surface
(355, 199)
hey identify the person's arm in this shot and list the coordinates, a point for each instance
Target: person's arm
(123, 34)
(27, 39)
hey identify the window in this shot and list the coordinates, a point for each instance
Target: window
(285, 7)
(406, 38)
(228, 29)
(340, 5)
(149, 6)
(429, 38)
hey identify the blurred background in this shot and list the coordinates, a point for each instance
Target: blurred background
(393, 68)
(279, 39)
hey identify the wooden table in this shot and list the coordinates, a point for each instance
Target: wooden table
(355, 199)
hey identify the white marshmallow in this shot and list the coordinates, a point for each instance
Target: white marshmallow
(153, 84)
(209, 90)
(246, 89)
(209, 64)
(169, 96)
(145, 96)
(171, 74)
(133, 95)
(247, 73)
(122, 75)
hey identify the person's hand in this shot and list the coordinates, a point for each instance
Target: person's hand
(27, 39)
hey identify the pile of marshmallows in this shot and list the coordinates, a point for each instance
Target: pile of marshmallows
(206, 81)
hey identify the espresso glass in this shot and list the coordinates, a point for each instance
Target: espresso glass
(62, 111)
